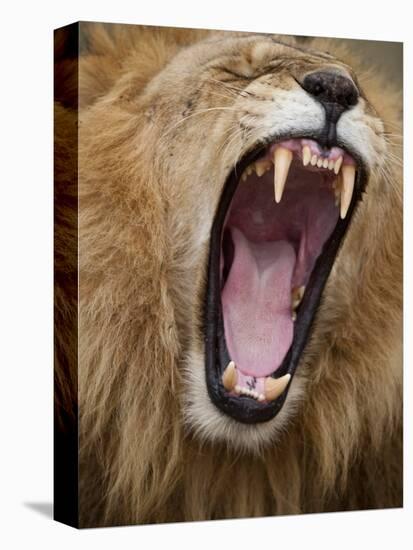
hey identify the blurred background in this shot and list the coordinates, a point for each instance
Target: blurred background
(386, 56)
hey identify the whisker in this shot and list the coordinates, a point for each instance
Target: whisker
(224, 147)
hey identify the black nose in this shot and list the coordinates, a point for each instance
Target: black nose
(331, 89)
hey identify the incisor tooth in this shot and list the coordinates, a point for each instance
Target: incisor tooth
(319, 163)
(229, 378)
(331, 164)
(337, 165)
(325, 163)
(275, 386)
(348, 173)
(282, 162)
(313, 160)
(306, 155)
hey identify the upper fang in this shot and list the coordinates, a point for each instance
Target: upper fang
(282, 161)
(348, 176)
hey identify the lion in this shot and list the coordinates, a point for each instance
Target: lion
(240, 276)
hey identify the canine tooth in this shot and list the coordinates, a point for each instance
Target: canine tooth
(348, 173)
(337, 165)
(296, 296)
(282, 162)
(229, 378)
(262, 166)
(313, 160)
(306, 155)
(275, 387)
(319, 163)
(331, 165)
(325, 163)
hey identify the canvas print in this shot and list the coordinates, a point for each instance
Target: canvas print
(228, 275)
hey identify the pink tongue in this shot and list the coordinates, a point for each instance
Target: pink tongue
(256, 304)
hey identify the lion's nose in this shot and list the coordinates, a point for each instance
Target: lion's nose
(331, 87)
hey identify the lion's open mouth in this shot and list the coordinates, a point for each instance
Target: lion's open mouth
(281, 218)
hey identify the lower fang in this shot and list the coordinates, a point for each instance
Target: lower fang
(296, 296)
(229, 378)
(274, 387)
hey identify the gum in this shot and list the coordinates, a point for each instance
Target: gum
(296, 146)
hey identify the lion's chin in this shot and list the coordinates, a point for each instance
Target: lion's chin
(209, 424)
(282, 216)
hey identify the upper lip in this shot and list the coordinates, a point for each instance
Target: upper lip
(248, 410)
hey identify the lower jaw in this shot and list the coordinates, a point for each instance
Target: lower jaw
(217, 357)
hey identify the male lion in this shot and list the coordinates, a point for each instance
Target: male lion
(240, 273)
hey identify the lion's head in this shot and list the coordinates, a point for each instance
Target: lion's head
(240, 273)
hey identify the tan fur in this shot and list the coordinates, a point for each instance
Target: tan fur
(147, 189)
